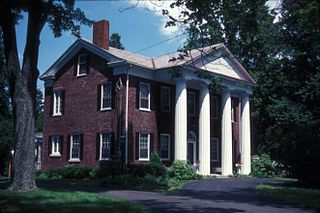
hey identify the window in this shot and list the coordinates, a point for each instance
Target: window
(165, 99)
(82, 65)
(164, 149)
(214, 108)
(75, 148)
(57, 103)
(233, 111)
(106, 96)
(144, 97)
(191, 103)
(214, 149)
(55, 145)
(105, 146)
(144, 146)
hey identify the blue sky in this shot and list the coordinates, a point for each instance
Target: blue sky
(139, 27)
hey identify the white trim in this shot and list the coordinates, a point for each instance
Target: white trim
(57, 99)
(71, 145)
(169, 144)
(169, 98)
(148, 143)
(78, 65)
(100, 154)
(194, 103)
(216, 141)
(101, 96)
(143, 108)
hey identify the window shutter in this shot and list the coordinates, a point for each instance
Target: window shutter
(51, 94)
(113, 146)
(99, 97)
(98, 146)
(137, 146)
(49, 145)
(159, 145)
(137, 95)
(151, 143)
(151, 93)
(62, 102)
(88, 64)
(114, 92)
(61, 144)
(75, 68)
(81, 146)
(68, 146)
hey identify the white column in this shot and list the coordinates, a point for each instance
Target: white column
(245, 136)
(180, 134)
(204, 131)
(226, 135)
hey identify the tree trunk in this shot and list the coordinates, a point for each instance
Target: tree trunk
(23, 92)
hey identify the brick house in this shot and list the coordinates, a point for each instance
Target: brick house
(102, 103)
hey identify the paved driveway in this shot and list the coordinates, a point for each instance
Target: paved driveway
(215, 195)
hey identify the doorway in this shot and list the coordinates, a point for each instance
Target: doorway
(191, 148)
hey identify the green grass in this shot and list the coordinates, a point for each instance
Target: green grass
(309, 198)
(45, 201)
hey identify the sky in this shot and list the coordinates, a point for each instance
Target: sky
(140, 26)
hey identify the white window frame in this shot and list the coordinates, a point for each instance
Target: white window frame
(101, 96)
(233, 111)
(57, 102)
(140, 107)
(148, 143)
(194, 105)
(101, 141)
(166, 135)
(217, 141)
(78, 65)
(215, 100)
(55, 145)
(71, 146)
(169, 97)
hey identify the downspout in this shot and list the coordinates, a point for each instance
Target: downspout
(127, 113)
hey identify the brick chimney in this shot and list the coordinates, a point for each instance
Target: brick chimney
(101, 33)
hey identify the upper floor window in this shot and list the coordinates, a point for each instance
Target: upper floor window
(105, 146)
(165, 99)
(106, 96)
(75, 143)
(55, 145)
(57, 102)
(144, 96)
(82, 65)
(144, 147)
(214, 107)
(164, 149)
(191, 103)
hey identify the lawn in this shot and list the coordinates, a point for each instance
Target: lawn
(309, 198)
(45, 201)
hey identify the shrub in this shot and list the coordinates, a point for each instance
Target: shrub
(72, 172)
(111, 168)
(182, 171)
(154, 158)
(262, 166)
(42, 175)
(143, 169)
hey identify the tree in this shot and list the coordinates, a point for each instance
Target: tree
(60, 15)
(39, 111)
(115, 41)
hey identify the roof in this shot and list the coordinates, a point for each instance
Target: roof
(165, 61)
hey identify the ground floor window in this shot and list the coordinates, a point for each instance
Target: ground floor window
(105, 146)
(214, 149)
(75, 141)
(55, 145)
(144, 146)
(164, 148)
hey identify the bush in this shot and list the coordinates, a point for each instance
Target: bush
(262, 166)
(143, 169)
(154, 158)
(111, 168)
(182, 171)
(72, 172)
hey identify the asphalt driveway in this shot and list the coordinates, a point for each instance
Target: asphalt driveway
(226, 195)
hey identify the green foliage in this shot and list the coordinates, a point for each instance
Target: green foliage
(111, 168)
(262, 166)
(144, 169)
(182, 171)
(115, 41)
(72, 172)
(154, 158)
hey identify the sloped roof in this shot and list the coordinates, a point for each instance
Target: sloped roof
(165, 61)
